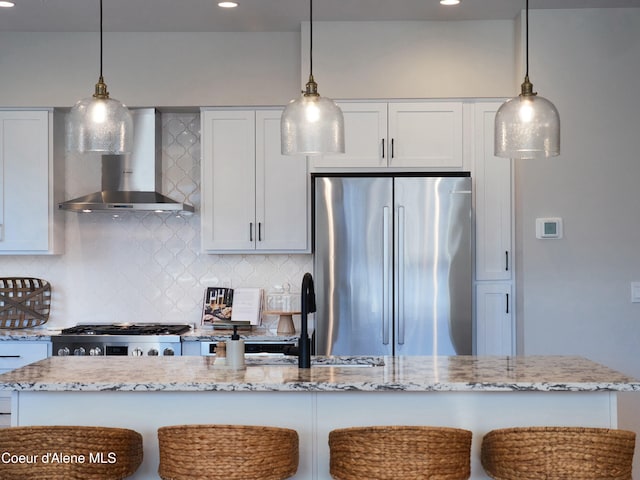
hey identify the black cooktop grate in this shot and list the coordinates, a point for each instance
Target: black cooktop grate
(127, 329)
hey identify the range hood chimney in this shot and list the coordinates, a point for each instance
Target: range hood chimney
(131, 182)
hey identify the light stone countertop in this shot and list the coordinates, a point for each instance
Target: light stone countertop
(414, 374)
(256, 334)
(41, 334)
(45, 333)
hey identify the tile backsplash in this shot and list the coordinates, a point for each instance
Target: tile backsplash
(145, 267)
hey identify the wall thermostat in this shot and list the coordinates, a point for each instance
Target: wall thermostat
(548, 228)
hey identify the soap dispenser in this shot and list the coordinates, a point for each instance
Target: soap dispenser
(235, 351)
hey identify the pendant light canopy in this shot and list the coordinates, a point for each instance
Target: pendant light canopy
(100, 123)
(311, 124)
(527, 126)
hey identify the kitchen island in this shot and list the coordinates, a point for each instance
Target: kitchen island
(476, 393)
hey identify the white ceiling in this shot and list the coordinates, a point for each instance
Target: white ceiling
(254, 15)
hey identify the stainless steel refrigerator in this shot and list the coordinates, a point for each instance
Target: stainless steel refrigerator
(392, 264)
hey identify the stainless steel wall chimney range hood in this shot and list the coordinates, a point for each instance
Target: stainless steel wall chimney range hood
(131, 182)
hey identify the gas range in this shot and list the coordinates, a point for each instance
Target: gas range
(135, 339)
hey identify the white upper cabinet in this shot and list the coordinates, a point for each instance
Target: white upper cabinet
(416, 135)
(31, 183)
(228, 180)
(494, 259)
(365, 137)
(281, 190)
(253, 198)
(425, 135)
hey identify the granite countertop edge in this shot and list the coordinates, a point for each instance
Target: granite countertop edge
(313, 387)
(45, 333)
(327, 374)
(37, 334)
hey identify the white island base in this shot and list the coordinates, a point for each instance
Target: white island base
(314, 414)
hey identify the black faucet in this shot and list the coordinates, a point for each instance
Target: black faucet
(308, 305)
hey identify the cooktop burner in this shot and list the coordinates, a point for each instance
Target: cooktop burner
(127, 329)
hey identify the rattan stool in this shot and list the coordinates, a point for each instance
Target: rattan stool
(407, 452)
(197, 452)
(92, 453)
(558, 453)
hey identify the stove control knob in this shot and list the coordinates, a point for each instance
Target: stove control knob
(96, 351)
(137, 352)
(79, 351)
(63, 352)
(168, 352)
(153, 352)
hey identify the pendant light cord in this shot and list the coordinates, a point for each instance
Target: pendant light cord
(310, 37)
(100, 38)
(101, 88)
(527, 38)
(312, 86)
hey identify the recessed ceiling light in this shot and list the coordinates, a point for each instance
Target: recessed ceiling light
(449, 2)
(7, 4)
(228, 4)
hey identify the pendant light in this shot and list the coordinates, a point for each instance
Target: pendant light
(527, 126)
(100, 123)
(311, 124)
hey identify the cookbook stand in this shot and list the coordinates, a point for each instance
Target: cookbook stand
(285, 323)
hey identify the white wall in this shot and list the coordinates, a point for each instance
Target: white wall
(411, 59)
(578, 288)
(351, 60)
(574, 294)
(150, 69)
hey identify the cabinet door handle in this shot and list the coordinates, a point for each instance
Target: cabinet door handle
(9, 356)
(383, 148)
(251, 231)
(507, 303)
(506, 261)
(393, 151)
(259, 231)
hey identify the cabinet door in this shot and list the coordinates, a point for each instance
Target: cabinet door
(25, 191)
(493, 201)
(228, 180)
(494, 320)
(365, 132)
(16, 354)
(281, 190)
(425, 134)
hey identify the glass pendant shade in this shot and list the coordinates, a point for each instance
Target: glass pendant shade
(100, 125)
(312, 125)
(527, 126)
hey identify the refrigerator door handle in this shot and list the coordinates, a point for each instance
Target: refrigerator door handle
(400, 247)
(386, 279)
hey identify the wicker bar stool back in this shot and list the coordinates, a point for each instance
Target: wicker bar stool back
(93, 453)
(227, 452)
(407, 452)
(558, 453)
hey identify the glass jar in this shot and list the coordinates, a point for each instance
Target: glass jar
(279, 299)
